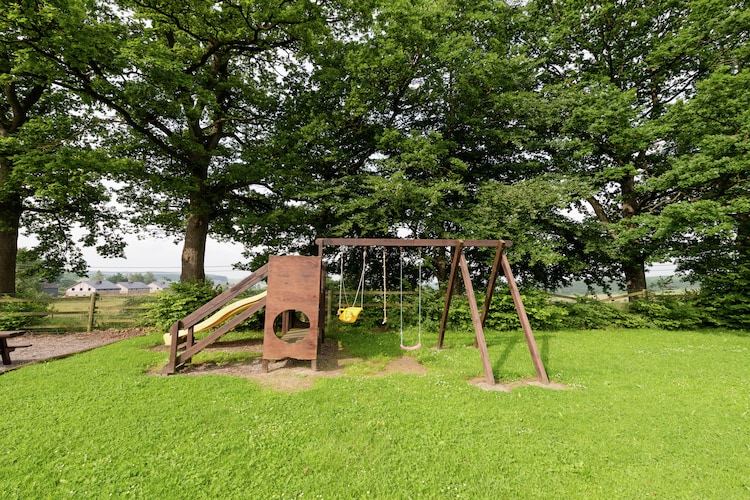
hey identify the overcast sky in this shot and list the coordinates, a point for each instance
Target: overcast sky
(162, 256)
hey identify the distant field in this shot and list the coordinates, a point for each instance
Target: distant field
(654, 283)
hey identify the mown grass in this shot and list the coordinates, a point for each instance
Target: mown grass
(646, 413)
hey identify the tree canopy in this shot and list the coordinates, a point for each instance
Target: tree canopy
(599, 136)
(51, 175)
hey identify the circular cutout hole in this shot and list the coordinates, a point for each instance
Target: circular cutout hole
(291, 326)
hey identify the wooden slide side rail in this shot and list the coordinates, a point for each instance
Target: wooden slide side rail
(223, 299)
(192, 319)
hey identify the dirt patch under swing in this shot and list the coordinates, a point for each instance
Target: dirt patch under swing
(291, 375)
(286, 375)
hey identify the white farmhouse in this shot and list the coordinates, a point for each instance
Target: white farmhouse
(159, 286)
(133, 288)
(86, 288)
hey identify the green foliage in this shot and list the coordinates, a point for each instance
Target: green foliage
(609, 68)
(177, 302)
(708, 225)
(588, 314)
(502, 314)
(724, 300)
(14, 313)
(51, 174)
(669, 311)
(550, 245)
(542, 314)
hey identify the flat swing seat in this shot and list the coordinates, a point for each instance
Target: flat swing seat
(411, 348)
(349, 314)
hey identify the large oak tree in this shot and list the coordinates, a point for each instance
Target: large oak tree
(405, 121)
(50, 176)
(197, 87)
(612, 70)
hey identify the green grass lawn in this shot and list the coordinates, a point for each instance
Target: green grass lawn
(646, 413)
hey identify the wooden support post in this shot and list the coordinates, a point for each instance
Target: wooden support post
(457, 253)
(329, 305)
(190, 338)
(174, 332)
(491, 287)
(92, 312)
(286, 321)
(525, 325)
(326, 304)
(477, 321)
(491, 283)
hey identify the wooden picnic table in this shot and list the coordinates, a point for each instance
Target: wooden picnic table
(5, 349)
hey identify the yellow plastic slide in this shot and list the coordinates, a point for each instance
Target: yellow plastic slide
(220, 316)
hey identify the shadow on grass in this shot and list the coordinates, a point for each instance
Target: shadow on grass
(543, 342)
(510, 342)
(507, 350)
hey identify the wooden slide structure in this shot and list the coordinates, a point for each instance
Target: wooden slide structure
(293, 286)
(219, 316)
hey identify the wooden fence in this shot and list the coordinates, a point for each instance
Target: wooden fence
(97, 312)
(75, 314)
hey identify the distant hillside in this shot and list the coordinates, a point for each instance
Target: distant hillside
(68, 279)
(654, 283)
(176, 277)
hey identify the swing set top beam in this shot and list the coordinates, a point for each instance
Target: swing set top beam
(398, 242)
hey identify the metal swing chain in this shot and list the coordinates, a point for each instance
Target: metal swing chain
(385, 287)
(361, 285)
(401, 294)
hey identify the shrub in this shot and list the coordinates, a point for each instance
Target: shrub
(180, 300)
(589, 314)
(724, 300)
(14, 314)
(670, 312)
(502, 314)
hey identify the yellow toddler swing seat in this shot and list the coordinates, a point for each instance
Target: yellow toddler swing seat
(349, 314)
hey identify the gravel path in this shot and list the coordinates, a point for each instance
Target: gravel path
(52, 346)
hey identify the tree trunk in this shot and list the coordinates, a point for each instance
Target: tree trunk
(442, 266)
(635, 276)
(10, 217)
(634, 266)
(194, 249)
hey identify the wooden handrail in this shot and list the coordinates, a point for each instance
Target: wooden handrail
(192, 319)
(222, 299)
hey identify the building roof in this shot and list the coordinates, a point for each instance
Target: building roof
(133, 285)
(96, 285)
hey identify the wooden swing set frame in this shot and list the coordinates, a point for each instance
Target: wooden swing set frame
(458, 261)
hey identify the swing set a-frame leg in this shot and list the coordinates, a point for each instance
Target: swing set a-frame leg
(477, 320)
(457, 253)
(524, 319)
(501, 261)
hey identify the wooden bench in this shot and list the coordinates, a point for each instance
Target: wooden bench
(6, 349)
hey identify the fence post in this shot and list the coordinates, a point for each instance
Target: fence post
(92, 310)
